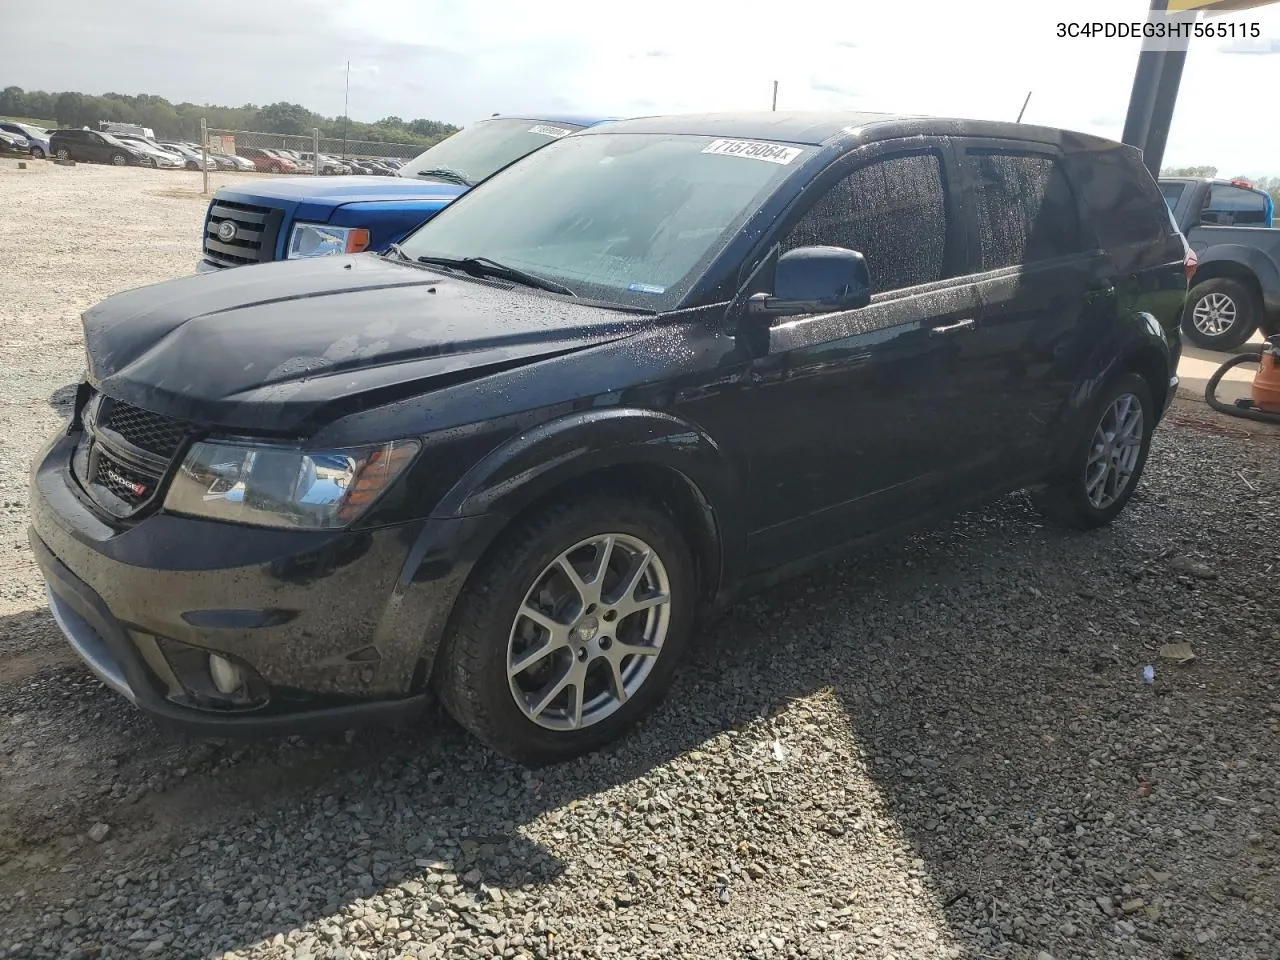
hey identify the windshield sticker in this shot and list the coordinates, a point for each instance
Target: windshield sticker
(645, 288)
(549, 131)
(772, 152)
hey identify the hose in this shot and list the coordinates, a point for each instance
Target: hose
(1211, 388)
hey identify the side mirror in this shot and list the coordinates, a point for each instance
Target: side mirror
(814, 280)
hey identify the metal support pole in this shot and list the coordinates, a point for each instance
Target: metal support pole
(775, 96)
(1155, 92)
(315, 150)
(204, 153)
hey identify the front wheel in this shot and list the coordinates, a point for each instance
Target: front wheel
(1221, 314)
(571, 630)
(37, 153)
(1106, 459)
(119, 159)
(63, 153)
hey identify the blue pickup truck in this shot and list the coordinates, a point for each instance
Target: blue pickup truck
(284, 218)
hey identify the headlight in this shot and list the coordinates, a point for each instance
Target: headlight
(277, 486)
(320, 240)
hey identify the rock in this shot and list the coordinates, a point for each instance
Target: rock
(99, 832)
(756, 871)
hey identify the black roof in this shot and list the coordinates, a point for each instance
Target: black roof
(817, 128)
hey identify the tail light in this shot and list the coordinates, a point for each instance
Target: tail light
(1241, 182)
(1189, 263)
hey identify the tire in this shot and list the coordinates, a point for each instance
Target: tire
(119, 159)
(63, 153)
(486, 630)
(155, 164)
(1221, 314)
(274, 168)
(1066, 498)
(37, 153)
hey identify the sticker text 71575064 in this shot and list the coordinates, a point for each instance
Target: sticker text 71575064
(754, 150)
(547, 130)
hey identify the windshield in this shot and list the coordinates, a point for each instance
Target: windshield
(483, 148)
(625, 218)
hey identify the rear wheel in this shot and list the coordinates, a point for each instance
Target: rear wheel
(1106, 459)
(571, 630)
(1221, 314)
(64, 153)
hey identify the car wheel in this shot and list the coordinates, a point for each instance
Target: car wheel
(119, 159)
(571, 630)
(1106, 460)
(37, 153)
(274, 168)
(64, 153)
(1221, 314)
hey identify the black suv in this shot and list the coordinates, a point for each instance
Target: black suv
(91, 146)
(653, 365)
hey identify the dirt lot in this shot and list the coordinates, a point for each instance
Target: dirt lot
(945, 749)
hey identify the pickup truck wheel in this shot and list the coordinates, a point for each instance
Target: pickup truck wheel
(571, 630)
(1106, 459)
(1221, 314)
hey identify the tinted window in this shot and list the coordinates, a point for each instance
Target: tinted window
(1126, 206)
(1240, 206)
(1023, 208)
(893, 211)
(1172, 191)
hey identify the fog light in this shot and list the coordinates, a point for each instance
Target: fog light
(227, 677)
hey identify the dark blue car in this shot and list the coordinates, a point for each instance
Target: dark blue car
(286, 219)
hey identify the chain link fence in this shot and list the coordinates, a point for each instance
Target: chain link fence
(311, 153)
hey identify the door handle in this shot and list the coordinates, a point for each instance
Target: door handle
(957, 327)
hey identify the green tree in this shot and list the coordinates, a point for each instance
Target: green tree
(13, 102)
(285, 118)
(1204, 171)
(69, 109)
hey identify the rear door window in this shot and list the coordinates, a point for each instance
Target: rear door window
(1024, 209)
(1124, 203)
(1172, 193)
(1236, 206)
(893, 211)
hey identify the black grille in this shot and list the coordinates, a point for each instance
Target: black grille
(152, 432)
(131, 485)
(253, 233)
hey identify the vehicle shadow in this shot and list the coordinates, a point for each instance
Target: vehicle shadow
(972, 758)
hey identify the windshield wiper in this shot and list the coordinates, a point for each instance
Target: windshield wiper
(447, 174)
(398, 251)
(484, 267)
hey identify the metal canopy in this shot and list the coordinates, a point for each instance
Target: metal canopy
(1159, 73)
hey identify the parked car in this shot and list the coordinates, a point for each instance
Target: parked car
(14, 143)
(266, 161)
(192, 159)
(279, 219)
(157, 156)
(93, 146)
(1236, 288)
(641, 372)
(329, 166)
(37, 137)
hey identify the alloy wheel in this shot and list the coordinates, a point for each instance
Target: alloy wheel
(1114, 452)
(1215, 314)
(588, 632)
(64, 153)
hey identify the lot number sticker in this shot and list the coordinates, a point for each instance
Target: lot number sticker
(771, 152)
(549, 131)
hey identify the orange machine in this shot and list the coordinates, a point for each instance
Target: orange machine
(1265, 402)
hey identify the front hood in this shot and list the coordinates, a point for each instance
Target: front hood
(339, 190)
(279, 348)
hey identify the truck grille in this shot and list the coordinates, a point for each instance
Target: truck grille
(236, 234)
(125, 453)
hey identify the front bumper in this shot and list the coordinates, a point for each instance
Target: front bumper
(340, 628)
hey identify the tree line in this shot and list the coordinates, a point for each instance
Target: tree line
(181, 121)
(1270, 184)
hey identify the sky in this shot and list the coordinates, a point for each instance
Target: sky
(462, 60)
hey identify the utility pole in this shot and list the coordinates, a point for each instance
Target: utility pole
(775, 96)
(346, 111)
(1024, 107)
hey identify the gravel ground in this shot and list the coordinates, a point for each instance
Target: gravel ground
(943, 749)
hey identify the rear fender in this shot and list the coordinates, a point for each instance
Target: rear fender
(1137, 344)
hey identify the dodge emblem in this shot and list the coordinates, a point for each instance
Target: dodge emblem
(227, 231)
